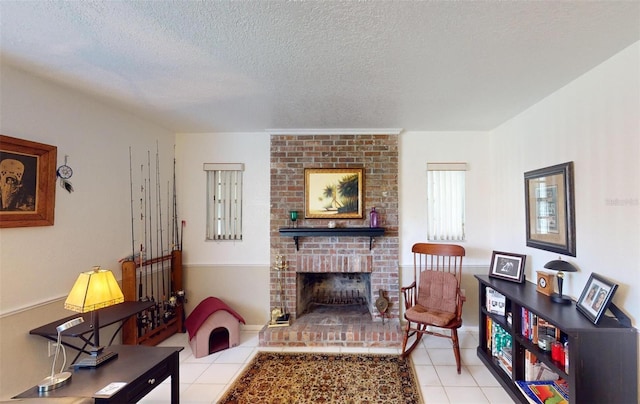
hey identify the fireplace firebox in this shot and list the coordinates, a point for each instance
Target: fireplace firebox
(346, 292)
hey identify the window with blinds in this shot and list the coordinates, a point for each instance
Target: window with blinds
(446, 201)
(224, 201)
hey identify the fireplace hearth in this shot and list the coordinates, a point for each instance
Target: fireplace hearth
(334, 309)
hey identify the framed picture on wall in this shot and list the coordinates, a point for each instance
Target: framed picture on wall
(27, 186)
(550, 209)
(507, 266)
(595, 297)
(333, 193)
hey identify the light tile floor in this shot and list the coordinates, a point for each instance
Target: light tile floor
(205, 380)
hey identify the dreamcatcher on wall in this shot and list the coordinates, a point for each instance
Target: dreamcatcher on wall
(64, 172)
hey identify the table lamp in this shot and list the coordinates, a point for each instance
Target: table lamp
(94, 290)
(561, 267)
(58, 379)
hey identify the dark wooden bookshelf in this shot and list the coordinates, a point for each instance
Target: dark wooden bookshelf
(603, 358)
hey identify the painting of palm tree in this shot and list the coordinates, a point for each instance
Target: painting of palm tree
(333, 193)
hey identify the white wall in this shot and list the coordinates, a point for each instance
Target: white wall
(252, 149)
(419, 148)
(594, 122)
(234, 271)
(92, 225)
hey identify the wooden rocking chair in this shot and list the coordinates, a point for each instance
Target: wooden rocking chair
(434, 299)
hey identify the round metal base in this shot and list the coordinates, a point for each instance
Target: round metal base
(556, 298)
(53, 382)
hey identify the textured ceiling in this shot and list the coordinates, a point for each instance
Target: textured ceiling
(228, 66)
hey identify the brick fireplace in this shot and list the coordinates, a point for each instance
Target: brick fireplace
(344, 255)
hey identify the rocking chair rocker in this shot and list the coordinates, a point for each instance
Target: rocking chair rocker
(434, 299)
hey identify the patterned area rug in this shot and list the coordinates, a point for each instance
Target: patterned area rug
(275, 377)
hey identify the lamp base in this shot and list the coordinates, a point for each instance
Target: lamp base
(53, 382)
(556, 298)
(96, 359)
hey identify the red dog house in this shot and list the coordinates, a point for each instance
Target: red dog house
(212, 327)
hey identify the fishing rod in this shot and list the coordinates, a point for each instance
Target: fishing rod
(133, 242)
(180, 295)
(175, 203)
(151, 257)
(142, 316)
(170, 304)
(159, 228)
(169, 249)
(146, 246)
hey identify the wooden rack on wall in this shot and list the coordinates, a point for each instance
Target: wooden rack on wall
(167, 316)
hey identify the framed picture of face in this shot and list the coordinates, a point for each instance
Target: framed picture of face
(27, 183)
(595, 297)
(507, 266)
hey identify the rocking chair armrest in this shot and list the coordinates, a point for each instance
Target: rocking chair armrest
(461, 299)
(409, 293)
(412, 286)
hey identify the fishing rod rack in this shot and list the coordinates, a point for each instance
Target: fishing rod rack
(166, 317)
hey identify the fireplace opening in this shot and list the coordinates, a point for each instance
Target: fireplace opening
(333, 293)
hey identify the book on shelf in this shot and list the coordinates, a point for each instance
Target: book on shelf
(495, 302)
(529, 325)
(499, 339)
(534, 370)
(489, 331)
(545, 392)
(525, 323)
(505, 361)
(548, 329)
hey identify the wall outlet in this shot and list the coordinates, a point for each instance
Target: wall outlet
(52, 348)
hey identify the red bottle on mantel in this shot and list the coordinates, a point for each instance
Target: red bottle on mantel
(373, 217)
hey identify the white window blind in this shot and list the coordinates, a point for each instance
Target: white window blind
(224, 201)
(445, 201)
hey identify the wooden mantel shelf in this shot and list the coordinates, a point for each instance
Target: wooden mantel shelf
(297, 232)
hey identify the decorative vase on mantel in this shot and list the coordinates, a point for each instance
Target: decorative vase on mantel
(373, 218)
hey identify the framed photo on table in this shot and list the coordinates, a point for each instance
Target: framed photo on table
(507, 266)
(333, 193)
(550, 209)
(27, 187)
(595, 297)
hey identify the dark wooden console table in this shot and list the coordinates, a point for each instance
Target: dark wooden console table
(84, 331)
(297, 232)
(141, 367)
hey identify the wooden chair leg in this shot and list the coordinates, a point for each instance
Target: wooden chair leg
(405, 351)
(406, 337)
(456, 347)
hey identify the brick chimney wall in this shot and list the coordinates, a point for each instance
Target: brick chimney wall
(378, 155)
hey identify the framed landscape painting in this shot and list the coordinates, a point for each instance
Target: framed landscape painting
(27, 186)
(333, 193)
